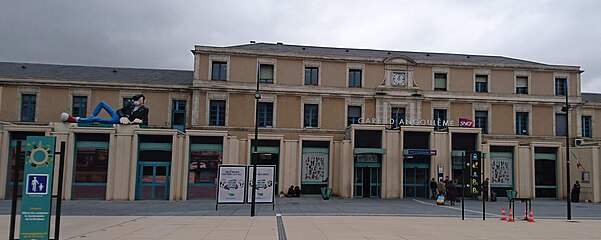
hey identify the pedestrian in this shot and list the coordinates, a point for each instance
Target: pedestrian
(485, 190)
(451, 193)
(290, 191)
(441, 187)
(297, 191)
(576, 192)
(433, 188)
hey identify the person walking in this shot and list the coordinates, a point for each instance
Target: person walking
(433, 189)
(485, 190)
(576, 192)
(451, 193)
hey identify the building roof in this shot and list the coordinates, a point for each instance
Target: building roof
(416, 56)
(591, 97)
(95, 74)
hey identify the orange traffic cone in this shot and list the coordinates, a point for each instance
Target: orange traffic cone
(525, 216)
(503, 217)
(510, 216)
(531, 218)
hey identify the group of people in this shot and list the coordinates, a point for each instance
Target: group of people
(292, 192)
(447, 189)
(444, 188)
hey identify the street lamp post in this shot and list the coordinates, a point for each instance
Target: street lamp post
(255, 155)
(566, 109)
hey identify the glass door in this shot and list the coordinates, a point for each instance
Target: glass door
(367, 181)
(153, 181)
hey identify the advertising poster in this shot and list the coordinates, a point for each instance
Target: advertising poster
(265, 184)
(314, 167)
(37, 188)
(231, 184)
(501, 170)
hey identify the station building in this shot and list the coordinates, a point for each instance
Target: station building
(367, 123)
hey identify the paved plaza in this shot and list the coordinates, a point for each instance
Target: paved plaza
(313, 218)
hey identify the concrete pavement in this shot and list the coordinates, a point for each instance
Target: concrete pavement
(313, 218)
(315, 227)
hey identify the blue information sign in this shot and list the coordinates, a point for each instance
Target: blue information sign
(37, 188)
(420, 152)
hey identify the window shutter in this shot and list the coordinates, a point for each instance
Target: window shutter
(521, 82)
(440, 80)
(266, 72)
(481, 78)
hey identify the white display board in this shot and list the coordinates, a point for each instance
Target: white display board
(265, 184)
(231, 184)
(501, 170)
(314, 167)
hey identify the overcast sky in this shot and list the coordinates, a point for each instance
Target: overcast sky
(160, 34)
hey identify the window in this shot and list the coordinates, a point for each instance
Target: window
(266, 73)
(80, 105)
(265, 114)
(311, 74)
(91, 166)
(127, 100)
(440, 118)
(586, 127)
(521, 123)
(178, 115)
(482, 121)
(560, 86)
(28, 102)
(353, 115)
(217, 113)
(560, 124)
(521, 85)
(440, 81)
(219, 71)
(311, 119)
(354, 77)
(481, 83)
(397, 114)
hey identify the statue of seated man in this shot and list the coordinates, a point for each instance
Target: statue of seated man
(133, 113)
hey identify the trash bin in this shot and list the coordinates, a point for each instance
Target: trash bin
(326, 192)
(493, 196)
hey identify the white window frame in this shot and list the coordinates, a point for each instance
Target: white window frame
(177, 96)
(220, 96)
(528, 109)
(268, 99)
(355, 66)
(311, 100)
(446, 71)
(28, 90)
(486, 72)
(528, 76)
(484, 107)
(353, 102)
(219, 58)
(311, 64)
(268, 61)
(80, 92)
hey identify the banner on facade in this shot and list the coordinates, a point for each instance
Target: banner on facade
(501, 170)
(314, 167)
(37, 187)
(265, 184)
(231, 184)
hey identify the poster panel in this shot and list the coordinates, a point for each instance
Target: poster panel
(231, 184)
(265, 184)
(314, 167)
(501, 170)
(37, 188)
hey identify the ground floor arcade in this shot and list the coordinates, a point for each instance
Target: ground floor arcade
(366, 161)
